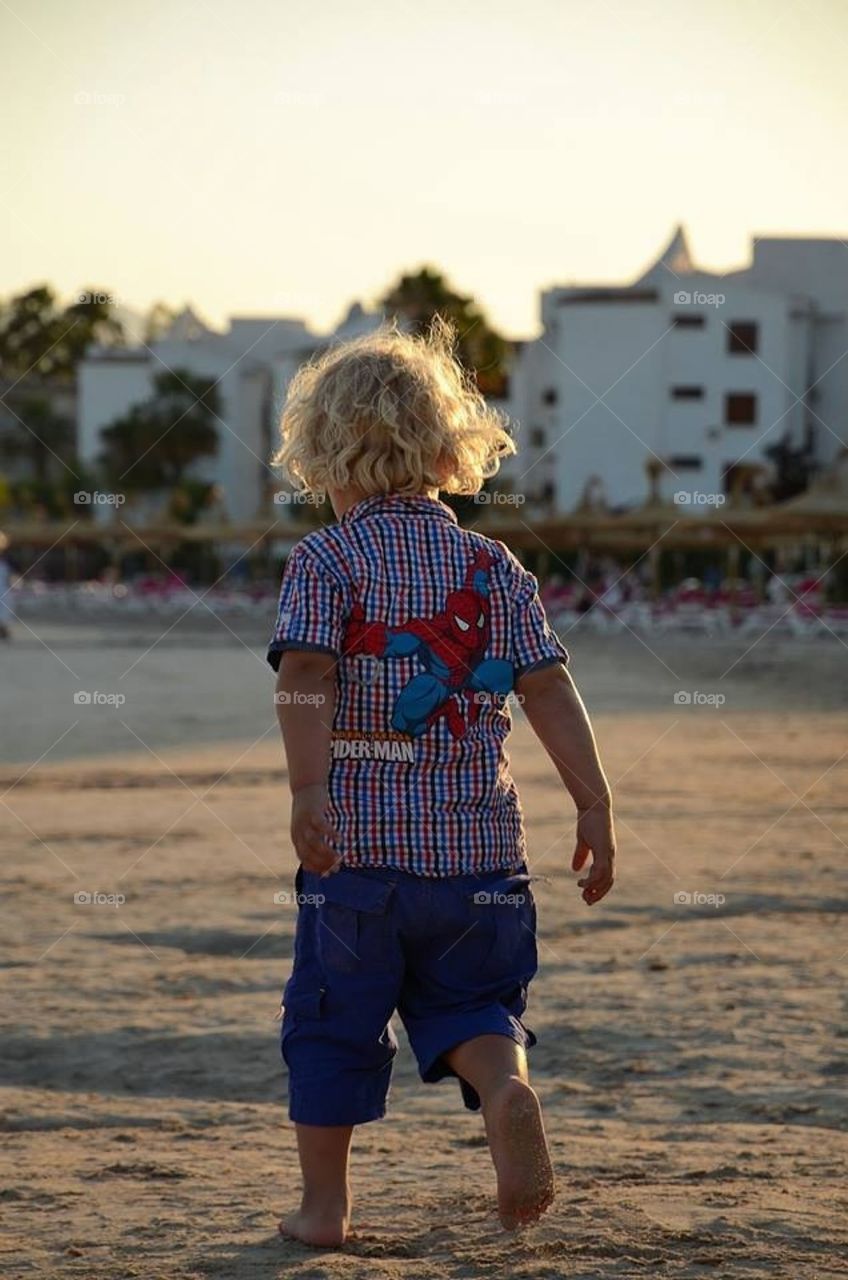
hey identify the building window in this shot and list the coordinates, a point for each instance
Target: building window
(687, 393)
(537, 437)
(740, 409)
(685, 462)
(681, 321)
(549, 396)
(742, 338)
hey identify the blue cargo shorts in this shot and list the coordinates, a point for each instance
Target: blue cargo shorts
(453, 955)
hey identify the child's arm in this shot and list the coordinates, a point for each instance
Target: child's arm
(559, 719)
(305, 698)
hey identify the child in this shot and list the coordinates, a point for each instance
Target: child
(400, 638)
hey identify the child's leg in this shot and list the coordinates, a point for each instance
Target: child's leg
(337, 1039)
(496, 1067)
(324, 1213)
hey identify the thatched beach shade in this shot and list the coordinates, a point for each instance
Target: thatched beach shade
(645, 531)
(39, 534)
(599, 532)
(43, 533)
(814, 522)
(158, 540)
(276, 536)
(116, 538)
(818, 517)
(823, 506)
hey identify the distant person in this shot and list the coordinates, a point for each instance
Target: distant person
(5, 590)
(777, 591)
(612, 595)
(593, 587)
(400, 639)
(712, 579)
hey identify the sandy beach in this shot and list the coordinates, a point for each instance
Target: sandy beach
(692, 1028)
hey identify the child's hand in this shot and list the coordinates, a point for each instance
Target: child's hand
(311, 833)
(595, 835)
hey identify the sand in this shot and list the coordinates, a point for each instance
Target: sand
(692, 1055)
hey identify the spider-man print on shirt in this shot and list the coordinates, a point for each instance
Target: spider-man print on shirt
(451, 647)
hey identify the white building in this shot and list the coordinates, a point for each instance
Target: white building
(703, 371)
(251, 363)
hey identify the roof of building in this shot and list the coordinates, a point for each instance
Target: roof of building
(188, 327)
(675, 259)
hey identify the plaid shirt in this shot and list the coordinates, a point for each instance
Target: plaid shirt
(431, 625)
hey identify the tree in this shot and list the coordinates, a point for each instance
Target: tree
(418, 297)
(155, 443)
(93, 321)
(38, 434)
(38, 336)
(129, 455)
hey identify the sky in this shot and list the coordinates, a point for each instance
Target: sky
(284, 157)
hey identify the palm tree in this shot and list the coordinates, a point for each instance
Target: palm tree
(39, 337)
(39, 435)
(156, 442)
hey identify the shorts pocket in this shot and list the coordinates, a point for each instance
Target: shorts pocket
(505, 909)
(299, 1007)
(353, 922)
(302, 1004)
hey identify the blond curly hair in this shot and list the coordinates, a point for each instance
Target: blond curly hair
(390, 412)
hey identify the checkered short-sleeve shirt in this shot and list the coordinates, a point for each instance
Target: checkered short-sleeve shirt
(431, 625)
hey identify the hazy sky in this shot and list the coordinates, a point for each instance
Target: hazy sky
(285, 156)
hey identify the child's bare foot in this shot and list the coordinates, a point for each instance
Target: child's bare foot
(322, 1226)
(520, 1153)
